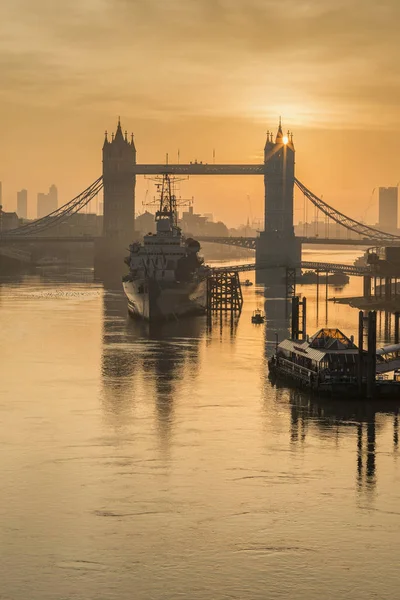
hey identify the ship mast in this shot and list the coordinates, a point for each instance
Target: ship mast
(168, 206)
(166, 201)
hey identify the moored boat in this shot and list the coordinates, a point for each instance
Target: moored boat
(167, 278)
(327, 362)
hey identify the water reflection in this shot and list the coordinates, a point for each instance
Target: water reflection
(277, 310)
(339, 418)
(146, 365)
(359, 422)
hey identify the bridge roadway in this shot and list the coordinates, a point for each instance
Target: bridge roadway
(241, 242)
(250, 242)
(24, 257)
(323, 267)
(45, 239)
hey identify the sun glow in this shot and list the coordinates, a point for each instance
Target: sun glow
(285, 139)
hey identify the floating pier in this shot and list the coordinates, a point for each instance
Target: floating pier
(330, 363)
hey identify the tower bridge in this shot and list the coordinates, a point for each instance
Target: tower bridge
(276, 245)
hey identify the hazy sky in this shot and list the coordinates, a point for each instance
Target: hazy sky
(198, 75)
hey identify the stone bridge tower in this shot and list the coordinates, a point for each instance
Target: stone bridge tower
(277, 244)
(119, 156)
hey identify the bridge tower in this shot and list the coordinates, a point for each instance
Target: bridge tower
(277, 244)
(119, 156)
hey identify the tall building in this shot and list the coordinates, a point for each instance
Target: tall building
(1, 194)
(22, 204)
(41, 205)
(388, 208)
(47, 203)
(53, 198)
(119, 157)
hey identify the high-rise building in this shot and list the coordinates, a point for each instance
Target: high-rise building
(22, 204)
(41, 205)
(388, 208)
(53, 198)
(47, 203)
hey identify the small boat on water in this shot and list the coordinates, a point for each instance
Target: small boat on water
(258, 316)
(247, 283)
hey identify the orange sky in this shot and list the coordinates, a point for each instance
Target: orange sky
(198, 75)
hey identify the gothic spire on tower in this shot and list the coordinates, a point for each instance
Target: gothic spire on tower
(118, 133)
(268, 142)
(279, 135)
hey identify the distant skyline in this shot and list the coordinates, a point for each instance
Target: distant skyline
(199, 75)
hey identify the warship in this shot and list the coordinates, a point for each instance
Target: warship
(167, 278)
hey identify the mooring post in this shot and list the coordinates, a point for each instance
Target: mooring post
(371, 372)
(396, 327)
(304, 319)
(360, 350)
(295, 318)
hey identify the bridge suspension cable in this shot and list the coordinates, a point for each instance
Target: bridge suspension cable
(59, 215)
(347, 222)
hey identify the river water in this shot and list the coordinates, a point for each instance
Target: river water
(164, 465)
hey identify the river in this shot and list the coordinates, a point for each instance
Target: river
(163, 465)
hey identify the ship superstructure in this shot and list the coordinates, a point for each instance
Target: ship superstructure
(167, 278)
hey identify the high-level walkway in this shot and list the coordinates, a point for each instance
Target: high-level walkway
(250, 242)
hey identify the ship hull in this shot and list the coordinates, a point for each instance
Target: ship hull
(153, 300)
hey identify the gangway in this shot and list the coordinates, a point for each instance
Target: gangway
(388, 358)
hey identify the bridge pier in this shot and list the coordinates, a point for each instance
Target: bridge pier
(109, 254)
(276, 250)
